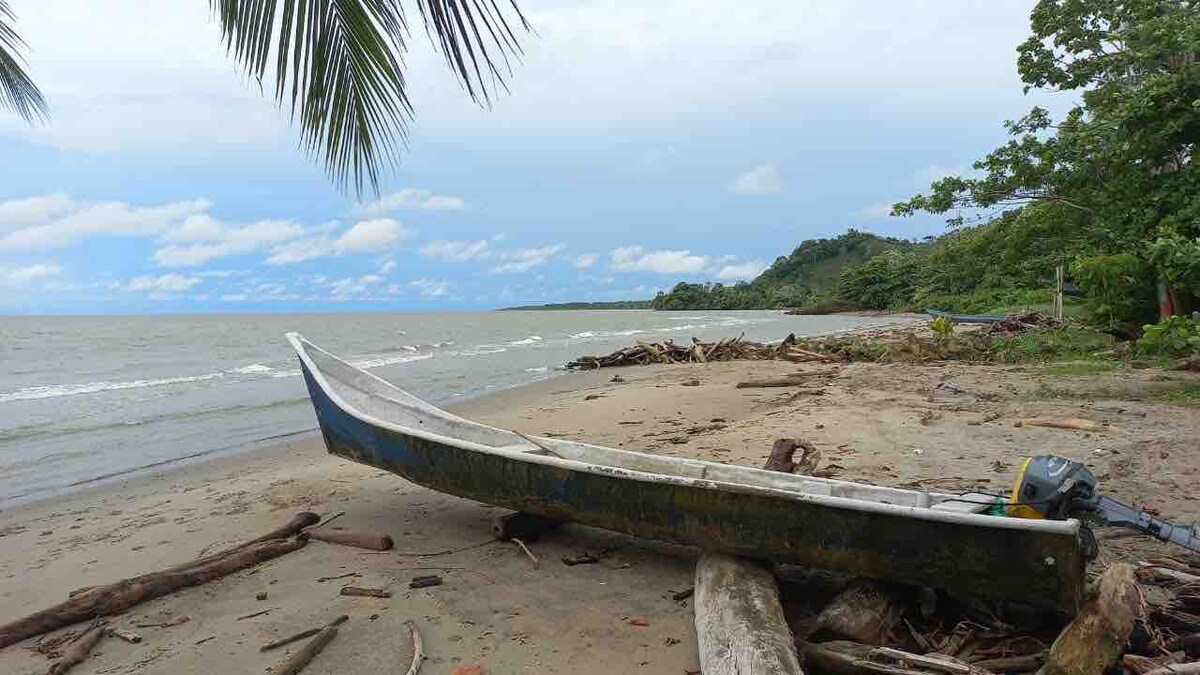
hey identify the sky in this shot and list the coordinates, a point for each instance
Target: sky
(641, 143)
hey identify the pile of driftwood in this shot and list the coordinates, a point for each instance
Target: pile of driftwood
(98, 604)
(913, 343)
(1139, 620)
(733, 349)
(1019, 323)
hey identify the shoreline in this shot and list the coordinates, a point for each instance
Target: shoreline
(223, 459)
(165, 467)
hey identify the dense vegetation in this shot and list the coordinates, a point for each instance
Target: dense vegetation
(1110, 191)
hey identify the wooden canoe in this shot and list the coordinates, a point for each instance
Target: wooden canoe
(908, 536)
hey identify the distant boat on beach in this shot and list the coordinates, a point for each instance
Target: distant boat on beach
(923, 538)
(966, 318)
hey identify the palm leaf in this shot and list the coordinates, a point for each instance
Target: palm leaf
(338, 68)
(17, 91)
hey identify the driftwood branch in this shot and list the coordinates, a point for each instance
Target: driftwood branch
(367, 540)
(302, 634)
(418, 653)
(523, 547)
(1072, 423)
(296, 662)
(77, 651)
(120, 596)
(850, 658)
(292, 528)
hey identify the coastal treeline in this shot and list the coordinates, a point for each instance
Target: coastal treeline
(1110, 190)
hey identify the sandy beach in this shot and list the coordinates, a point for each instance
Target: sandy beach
(945, 426)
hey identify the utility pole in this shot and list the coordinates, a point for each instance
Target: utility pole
(1058, 291)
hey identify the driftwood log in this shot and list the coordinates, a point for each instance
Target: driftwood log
(1095, 638)
(783, 454)
(362, 592)
(1071, 423)
(77, 651)
(120, 596)
(740, 627)
(520, 525)
(865, 611)
(367, 540)
(790, 380)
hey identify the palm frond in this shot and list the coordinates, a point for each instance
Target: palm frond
(17, 91)
(338, 66)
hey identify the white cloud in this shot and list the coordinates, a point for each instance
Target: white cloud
(584, 260)
(55, 221)
(412, 199)
(638, 259)
(371, 235)
(365, 236)
(456, 251)
(741, 272)
(432, 288)
(342, 289)
(215, 239)
(16, 213)
(167, 283)
(876, 211)
(160, 90)
(524, 259)
(387, 265)
(21, 275)
(761, 180)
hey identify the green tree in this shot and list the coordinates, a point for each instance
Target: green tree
(1118, 167)
(337, 67)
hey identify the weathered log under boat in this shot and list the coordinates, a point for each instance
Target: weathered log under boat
(923, 538)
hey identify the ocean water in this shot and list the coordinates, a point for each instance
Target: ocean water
(92, 398)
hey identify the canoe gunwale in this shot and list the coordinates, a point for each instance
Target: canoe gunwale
(1068, 527)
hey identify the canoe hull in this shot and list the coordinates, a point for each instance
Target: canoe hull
(1039, 568)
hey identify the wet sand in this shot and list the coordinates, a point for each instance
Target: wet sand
(945, 426)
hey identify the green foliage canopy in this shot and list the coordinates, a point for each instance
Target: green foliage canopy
(1118, 168)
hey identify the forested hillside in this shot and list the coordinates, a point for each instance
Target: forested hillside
(810, 273)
